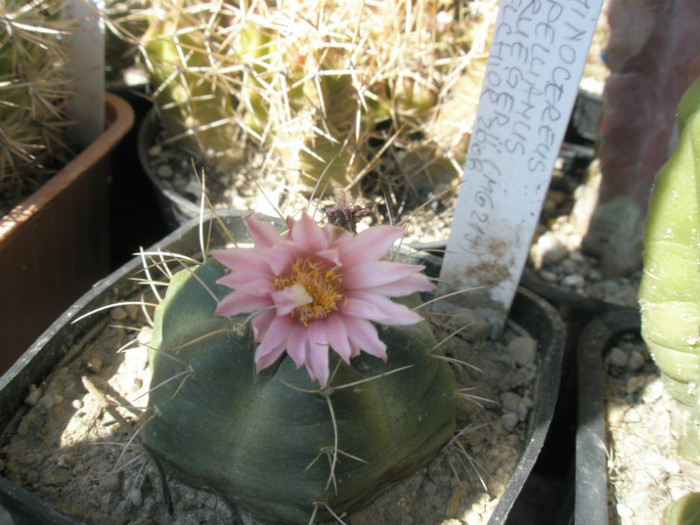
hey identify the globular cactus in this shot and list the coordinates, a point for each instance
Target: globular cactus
(262, 412)
(669, 292)
(34, 87)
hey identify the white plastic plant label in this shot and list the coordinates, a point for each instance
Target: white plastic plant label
(86, 59)
(536, 58)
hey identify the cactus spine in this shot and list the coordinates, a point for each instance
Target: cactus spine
(335, 90)
(33, 91)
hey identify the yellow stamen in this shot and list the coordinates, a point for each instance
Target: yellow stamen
(315, 286)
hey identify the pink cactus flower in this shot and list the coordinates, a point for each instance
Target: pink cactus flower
(318, 288)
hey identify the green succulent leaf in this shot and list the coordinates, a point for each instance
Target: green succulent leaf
(669, 292)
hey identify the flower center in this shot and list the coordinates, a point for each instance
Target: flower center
(316, 287)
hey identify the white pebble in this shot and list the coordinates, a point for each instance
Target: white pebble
(135, 497)
(548, 250)
(33, 396)
(573, 281)
(523, 350)
(509, 420)
(618, 357)
(164, 171)
(636, 361)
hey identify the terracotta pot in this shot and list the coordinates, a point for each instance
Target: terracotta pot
(55, 244)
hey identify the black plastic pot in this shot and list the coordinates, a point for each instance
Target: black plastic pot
(529, 312)
(591, 507)
(175, 209)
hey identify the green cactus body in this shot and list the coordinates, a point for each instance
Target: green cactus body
(669, 292)
(319, 138)
(257, 47)
(197, 103)
(266, 441)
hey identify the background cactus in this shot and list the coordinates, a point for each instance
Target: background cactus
(33, 91)
(669, 293)
(273, 443)
(341, 94)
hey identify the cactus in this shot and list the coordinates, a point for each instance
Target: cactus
(669, 292)
(250, 422)
(33, 91)
(334, 90)
(197, 104)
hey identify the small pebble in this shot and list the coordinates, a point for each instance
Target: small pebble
(46, 402)
(135, 497)
(94, 366)
(635, 383)
(523, 350)
(522, 412)
(548, 276)
(164, 171)
(33, 396)
(509, 420)
(144, 336)
(155, 151)
(511, 401)
(77, 404)
(573, 281)
(548, 250)
(66, 461)
(132, 310)
(618, 357)
(110, 483)
(636, 361)
(118, 313)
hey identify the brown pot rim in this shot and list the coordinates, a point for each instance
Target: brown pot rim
(120, 117)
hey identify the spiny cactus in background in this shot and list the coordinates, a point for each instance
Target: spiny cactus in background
(328, 394)
(335, 90)
(33, 91)
(196, 99)
(669, 292)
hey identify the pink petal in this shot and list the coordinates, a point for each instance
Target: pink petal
(338, 336)
(365, 336)
(377, 273)
(263, 233)
(239, 259)
(273, 342)
(379, 309)
(241, 301)
(332, 255)
(297, 343)
(317, 358)
(415, 282)
(252, 283)
(370, 245)
(306, 232)
(279, 258)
